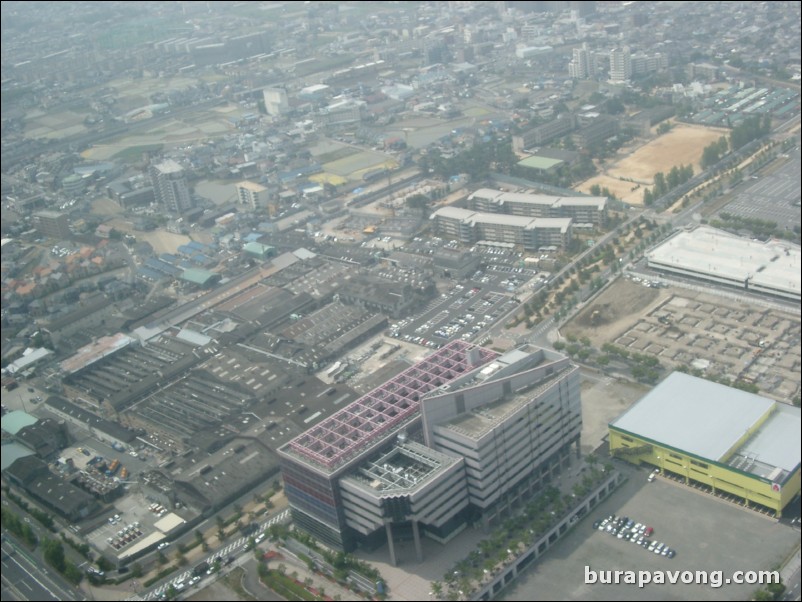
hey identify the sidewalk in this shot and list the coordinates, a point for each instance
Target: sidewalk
(791, 566)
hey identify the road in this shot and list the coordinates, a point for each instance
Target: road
(235, 549)
(25, 577)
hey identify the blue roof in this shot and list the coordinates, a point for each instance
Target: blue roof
(161, 266)
(150, 274)
(192, 247)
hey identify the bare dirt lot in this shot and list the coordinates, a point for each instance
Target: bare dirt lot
(629, 192)
(162, 241)
(614, 311)
(719, 333)
(682, 145)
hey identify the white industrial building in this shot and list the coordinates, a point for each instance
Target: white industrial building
(768, 267)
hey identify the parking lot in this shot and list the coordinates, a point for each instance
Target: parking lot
(774, 197)
(132, 522)
(467, 307)
(707, 534)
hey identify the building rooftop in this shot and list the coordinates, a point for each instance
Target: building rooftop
(530, 198)
(479, 422)
(252, 186)
(15, 421)
(563, 223)
(404, 467)
(169, 166)
(95, 351)
(12, 451)
(581, 201)
(385, 410)
(715, 253)
(540, 162)
(774, 451)
(454, 213)
(198, 276)
(708, 420)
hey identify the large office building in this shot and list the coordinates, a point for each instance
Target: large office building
(276, 101)
(620, 64)
(545, 132)
(531, 233)
(171, 187)
(717, 437)
(52, 224)
(459, 436)
(583, 63)
(773, 267)
(582, 209)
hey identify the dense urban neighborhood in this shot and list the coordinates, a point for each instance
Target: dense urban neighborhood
(404, 300)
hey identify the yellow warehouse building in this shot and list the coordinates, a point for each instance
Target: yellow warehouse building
(723, 438)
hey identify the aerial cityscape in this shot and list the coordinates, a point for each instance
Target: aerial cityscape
(401, 300)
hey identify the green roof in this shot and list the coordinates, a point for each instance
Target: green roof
(13, 451)
(197, 276)
(543, 163)
(257, 248)
(14, 421)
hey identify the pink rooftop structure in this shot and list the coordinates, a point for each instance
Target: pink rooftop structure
(343, 435)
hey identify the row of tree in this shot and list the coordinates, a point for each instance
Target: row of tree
(713, 152)
(748, 130)
(664, 183)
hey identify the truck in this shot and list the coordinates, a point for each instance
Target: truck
(115, 464)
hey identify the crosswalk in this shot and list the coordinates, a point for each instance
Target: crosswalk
(179, 582)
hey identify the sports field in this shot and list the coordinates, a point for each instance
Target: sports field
(683, 145)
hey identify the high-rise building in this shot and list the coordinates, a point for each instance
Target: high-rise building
(620, 64)
(276, 101)
(52, 224)
(465, 432)
(582, 64)
(171, 187)
(251, 194)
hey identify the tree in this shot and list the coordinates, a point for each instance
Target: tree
(73, 573)
(776, 590)
(418, 201)
(54, 554)
(659, 184)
